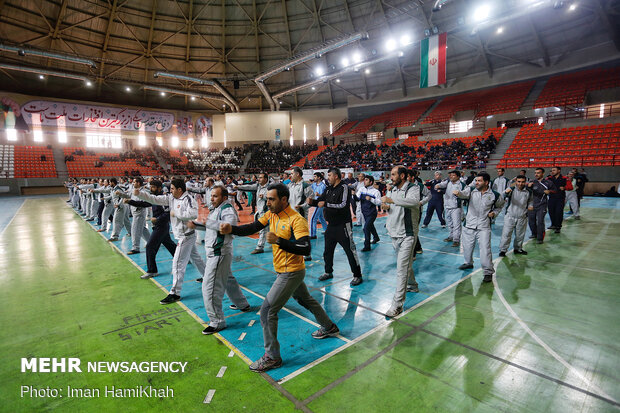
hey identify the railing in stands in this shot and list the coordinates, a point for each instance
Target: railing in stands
(590, 112)
(547, 161)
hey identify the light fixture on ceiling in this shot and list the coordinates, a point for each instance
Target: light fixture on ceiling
(405, 40)
(390, 45)
(500, 30)
(344, 62)
(319, 71)
(572, 7)
(162, 93)
(127, 89)
(89, 83)
(357, 57)
(482, 12)
(41, 77)
(193, 98)
(337, 80)
(313, 88)
(367, 71)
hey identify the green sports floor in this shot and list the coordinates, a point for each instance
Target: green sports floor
(544, 337)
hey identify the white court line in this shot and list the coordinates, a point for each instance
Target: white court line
(251, 323)
(209, 396)
(538, 339)
(13, 217)
(242, 336)
(572, 266)
(220, 373)
(231, 354)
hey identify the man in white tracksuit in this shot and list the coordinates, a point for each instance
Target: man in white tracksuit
(205, 191)
(183, 208)
(218, 278)
(121, 213)
(300, 191)
(484, 205)
(571, 194)
(359, 214)
(108, 207)
(402, 204)
(138, 223)
(453, 206)
(260, 190)
(519, 201)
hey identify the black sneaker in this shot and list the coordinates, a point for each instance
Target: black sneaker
(322, 333)
(502, 253)
(448, 239)
(326, 276)
(133, 252)
(313, 237)
(375, 241)
(557, 230)
(412, 288)
(356, 281)
(365, 249)
(520, 252)
(532, 236)
(170, 298)
(487, 279)
(466, 267)
(419, 251)
(258, 251)
(234, 307)
(198, 280)
(308, 258)
(539, 241)
(210, 330)
(265, 363)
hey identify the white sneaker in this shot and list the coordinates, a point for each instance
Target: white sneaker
(148, 275)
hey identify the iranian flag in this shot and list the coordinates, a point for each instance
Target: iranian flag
(433, 60)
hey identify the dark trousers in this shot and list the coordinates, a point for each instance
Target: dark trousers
(536, 220)
(418, 246)
(100, 211)
(160, 235)
(369, 229)
(340, 234)
(556, 211)
(432, 207)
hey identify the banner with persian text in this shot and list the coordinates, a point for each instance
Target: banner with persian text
(73, 115)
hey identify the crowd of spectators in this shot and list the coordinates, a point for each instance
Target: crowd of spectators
(276, 158)
(365, 156)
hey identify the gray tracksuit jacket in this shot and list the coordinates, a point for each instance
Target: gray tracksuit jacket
(403, 214)
(480, 205)
(518, 202)
(182, 210)
(217, 244)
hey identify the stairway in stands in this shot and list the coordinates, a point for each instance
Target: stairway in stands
(529, 101)
(59, 160)
(429, 110)
(502, 147)
(310, 156)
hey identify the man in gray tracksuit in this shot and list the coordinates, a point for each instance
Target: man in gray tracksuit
(402, 204)
(87, 198)
(260, 190)
(205, 191)
(218, 278)
(121, 213)
(300, 191)
(484, 205)
(138, 223)
(108, 207)
(500, 184)
(453, 206)
(183, 208)
(519, 201)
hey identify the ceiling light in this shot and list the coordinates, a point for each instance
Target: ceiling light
(482, 12)
(401, 54)
(319, 71)
(367, 71)
(88, 83)
(357, 57)
(345, 62)
(500, 30)
(405, 40)
(337, 80)
(127, 89)
(390, 45)
(280, 102)
(193, 98)
(162, 93)
(41, 77)
(313, 88)
(572, 7)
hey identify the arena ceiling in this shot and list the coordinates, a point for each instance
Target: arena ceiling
(233, 41)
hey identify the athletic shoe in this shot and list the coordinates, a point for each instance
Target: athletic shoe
(577, 218)
(170, 298)
(487, 279)
(210, 330)
(532, 236)
(443, 226)
(198, 280)
(101, 230)
(356, 281)
(551, 227)
(308, 258)
(393, 312)
(148, 275)
(258, 251)
(466, 267)
(90, 219)
(456, 244)
(412, 288)
(133, 252)
(322, 333)
(234, 307)
(520, 252)
(424, 226)
(502, 253)
(113, 239)
(448, 239)
(557, 230)
(313, 237)
(419, 251)
(326, 276)
(265, 363)
(375, 241)
(365, 249)
(539, 241)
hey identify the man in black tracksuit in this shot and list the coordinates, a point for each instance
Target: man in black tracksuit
(436, 202)
(541, 189)
(557, 199)
(161, 230)
(336, 202)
